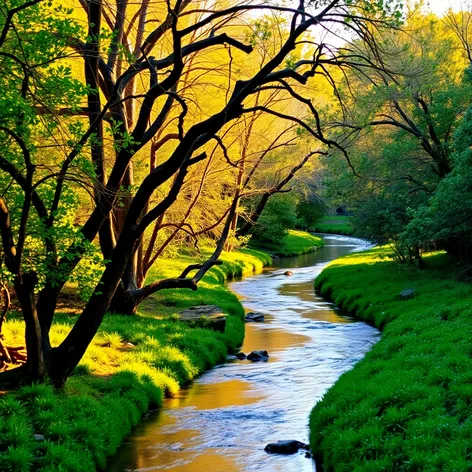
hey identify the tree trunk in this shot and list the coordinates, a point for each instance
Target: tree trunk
(24, 288)
(252, 220)
(123, 301)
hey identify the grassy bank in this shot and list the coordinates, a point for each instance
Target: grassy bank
(295, 243)
(335, 225)
(133, 362)
(407, 406)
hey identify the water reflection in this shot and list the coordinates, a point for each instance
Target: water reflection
(217, 395)
(224, 420)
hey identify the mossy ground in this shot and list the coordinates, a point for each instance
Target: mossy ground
(116, 382)
(296, 243)
(407, 406)
(133, 362)
(335, 225)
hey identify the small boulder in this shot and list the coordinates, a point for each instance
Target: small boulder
(254, 316)
(258, 356)
(407, 294)
(211, 316)
(308, 454)
(288, 272)
(240, 355)
(289, 446)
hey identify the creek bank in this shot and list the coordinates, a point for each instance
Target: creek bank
(133, 362)
(335, 224)
(407, 405)
(295, 243)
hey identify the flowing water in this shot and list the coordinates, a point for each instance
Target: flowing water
(223, 421)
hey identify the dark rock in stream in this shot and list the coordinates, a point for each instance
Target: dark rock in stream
(288, 272)
(254, 316)
(240, 356)
(258, 356)
(289, 446)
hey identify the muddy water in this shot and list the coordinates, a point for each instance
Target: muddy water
(222, 422)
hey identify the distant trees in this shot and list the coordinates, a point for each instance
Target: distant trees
(399, 120)
(67, 134)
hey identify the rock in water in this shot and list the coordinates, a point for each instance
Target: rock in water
(211, 317)
(258, 356)
(240, 355)
(288, 272)
(289, 446)
(254, 316)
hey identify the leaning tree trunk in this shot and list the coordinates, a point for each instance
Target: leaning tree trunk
(252, 220)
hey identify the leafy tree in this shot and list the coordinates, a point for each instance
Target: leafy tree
(445, 220)
(279, 215)
(399, 125)
(133, 204)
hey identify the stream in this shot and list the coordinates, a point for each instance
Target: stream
(222, 422)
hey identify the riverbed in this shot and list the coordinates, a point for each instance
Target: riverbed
(223, 421)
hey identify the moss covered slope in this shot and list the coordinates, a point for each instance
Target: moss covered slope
(407, 406)
(131, 364)
(335, 225)
(296, 243)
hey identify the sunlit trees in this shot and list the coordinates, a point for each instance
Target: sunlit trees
(130, 96)
(399, 120)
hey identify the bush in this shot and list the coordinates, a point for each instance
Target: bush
(309, 213)
(279, 215)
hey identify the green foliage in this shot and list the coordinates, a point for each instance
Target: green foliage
(407, 406)
(447, 214)
(35, 75)
(405, 148)
(279, 215)
(309, 213)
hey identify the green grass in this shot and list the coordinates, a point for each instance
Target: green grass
(131, 364)
(296, 243)
(335, 225)
(407, 406)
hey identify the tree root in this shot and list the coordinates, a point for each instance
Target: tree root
(11, 356)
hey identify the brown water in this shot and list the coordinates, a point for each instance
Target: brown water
(222, 422)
